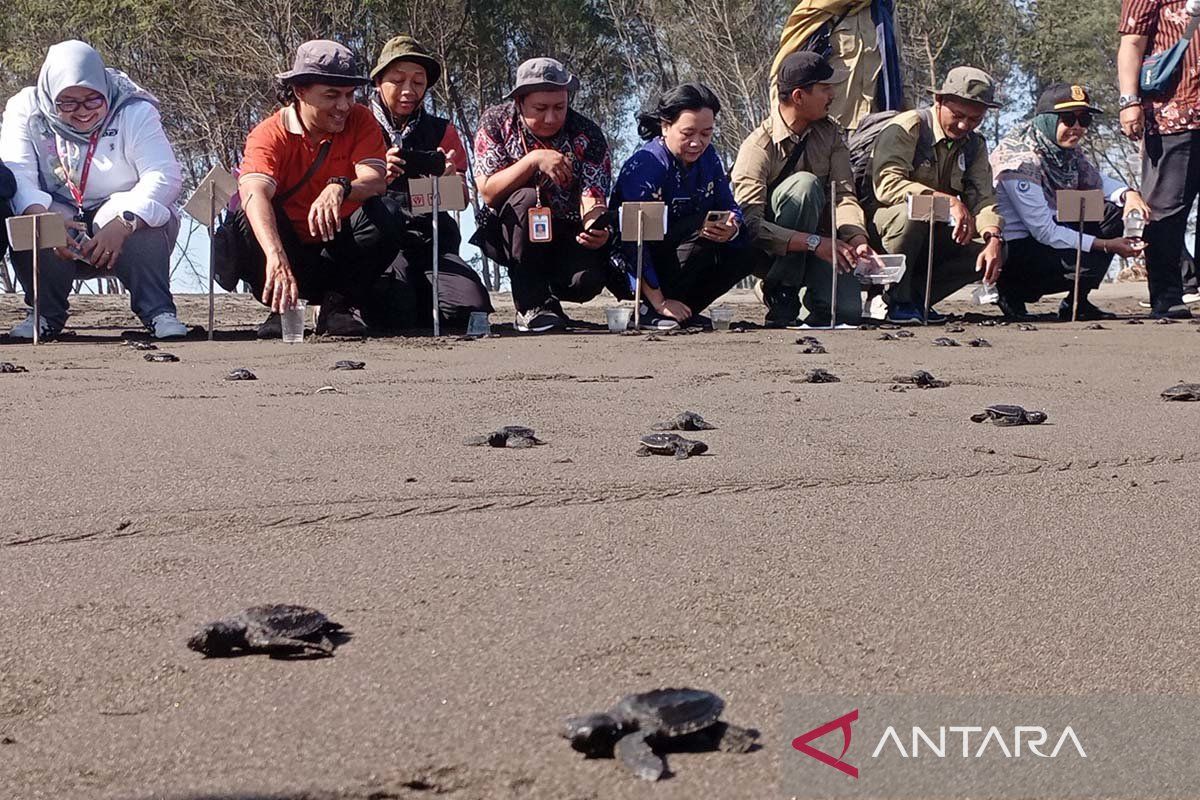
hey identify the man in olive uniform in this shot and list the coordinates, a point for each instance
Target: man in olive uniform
(781, 179)
(936, 151)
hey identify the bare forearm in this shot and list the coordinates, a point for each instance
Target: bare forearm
(496, 188)
(1129, 62)
(260, 214)
(365, 187)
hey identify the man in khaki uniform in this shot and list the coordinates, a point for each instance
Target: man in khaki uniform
(936, 151)
(780, 180)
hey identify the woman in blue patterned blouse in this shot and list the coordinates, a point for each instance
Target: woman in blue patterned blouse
(699, 260)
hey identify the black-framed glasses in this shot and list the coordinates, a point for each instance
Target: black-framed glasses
(1081, 118)
(71, 106)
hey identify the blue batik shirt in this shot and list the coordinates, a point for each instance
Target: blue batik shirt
(653, 173)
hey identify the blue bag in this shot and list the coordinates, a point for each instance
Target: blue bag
(1157, 76)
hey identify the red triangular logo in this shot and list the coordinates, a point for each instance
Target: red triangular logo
(801, 743)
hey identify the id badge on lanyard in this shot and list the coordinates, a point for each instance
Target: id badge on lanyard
(541, 221)
(78, 191)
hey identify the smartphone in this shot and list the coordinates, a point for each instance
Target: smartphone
(419, 163)
(604, 222)
(716, 218)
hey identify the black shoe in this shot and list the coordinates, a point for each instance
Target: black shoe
(1014, 310)
(1179, 311)
(783, 306)
(271, 327)
(537, 320)
(1087, 311)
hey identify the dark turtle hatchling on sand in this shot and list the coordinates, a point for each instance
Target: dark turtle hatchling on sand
(640, 726)
(276, 630)
(138, 344)
(685, 421)
(161, 357)
(7, 367)
(349, 365)
(819, 375)
(508, 436)
(670, 444)
(241, 374)
(1007, 415)
(1182, 391)
(978, 342)
(922, 380)
(945, 341)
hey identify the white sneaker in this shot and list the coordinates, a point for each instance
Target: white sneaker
(1191, 299)
(167, 326)
(24, 329)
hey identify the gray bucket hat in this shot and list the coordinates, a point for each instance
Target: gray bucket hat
(542, 74)
(970, 84)
(324, 61)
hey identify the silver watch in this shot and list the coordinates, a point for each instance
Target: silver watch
(1127, 100)
(812, 242)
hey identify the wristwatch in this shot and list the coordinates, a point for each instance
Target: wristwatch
(812, 242)
(1127, 100)
(129, 220)
(342, 182)
(988, 236)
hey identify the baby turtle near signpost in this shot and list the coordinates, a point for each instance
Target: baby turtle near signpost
(278, 630)
(1006, 415)
(812, 341)
(641, 726)
(945, 341)
(1095, 326)
(1182, 392)
(508, 436)
(349, 365)
(814, 350)
(686, 421)
(1025, 326)
(978, 342)
(922, 380)
(241, 374)
(162, 358)
(9, 368)
(819, 375)
(138, 344)
(670, 444)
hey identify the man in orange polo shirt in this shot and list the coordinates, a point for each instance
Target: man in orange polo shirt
(322, 233)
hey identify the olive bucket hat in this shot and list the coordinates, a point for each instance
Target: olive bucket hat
(970, 84)
(406, 48)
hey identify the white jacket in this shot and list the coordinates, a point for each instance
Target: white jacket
(134, 168)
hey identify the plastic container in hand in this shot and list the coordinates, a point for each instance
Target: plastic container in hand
(880, 269)
(721, 317)
(478, 324)
(985, 294)
(618, 318)
(1135, 225)
(291, 321)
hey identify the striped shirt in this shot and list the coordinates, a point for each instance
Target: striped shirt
(1163, 21)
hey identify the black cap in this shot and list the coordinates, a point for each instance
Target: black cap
(802, 69)
(1065, 97)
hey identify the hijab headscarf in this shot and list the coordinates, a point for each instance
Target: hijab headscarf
(75, 63)
(1032, 151)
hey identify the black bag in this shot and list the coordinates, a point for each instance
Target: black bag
(861, 144)
(821, 42)
(230, 248)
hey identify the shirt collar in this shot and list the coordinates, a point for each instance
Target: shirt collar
(781, 131)
(291, 120)
(938, 133)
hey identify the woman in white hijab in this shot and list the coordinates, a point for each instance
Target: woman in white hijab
(88, 143)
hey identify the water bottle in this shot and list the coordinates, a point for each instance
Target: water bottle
(1135, 225)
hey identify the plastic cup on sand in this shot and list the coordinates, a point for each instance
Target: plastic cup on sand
(478, 324)
(721, 316)
(618, 319)
(292, 323)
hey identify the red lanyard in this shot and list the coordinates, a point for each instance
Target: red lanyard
(77, 191)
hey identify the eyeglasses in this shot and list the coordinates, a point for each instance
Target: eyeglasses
(70, 106)
(1080, 118)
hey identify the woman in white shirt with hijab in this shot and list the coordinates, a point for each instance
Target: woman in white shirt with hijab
(88, 143)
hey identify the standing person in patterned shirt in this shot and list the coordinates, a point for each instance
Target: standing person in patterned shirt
(1170, 126)
(535, 153)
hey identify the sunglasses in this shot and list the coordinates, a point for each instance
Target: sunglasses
(1081, 118)
(70, 106)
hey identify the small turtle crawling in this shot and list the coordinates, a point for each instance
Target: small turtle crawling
(922, 380)
(641, 724)
(349, 365)
(956, 329)
(809, 340)
(1006, 415)
(888, 337)
(902, 334)
(138, 344)
(276, 630)
(7, 367)
(978, 342)
(670, 444)
(814, 350)
(1095, 326)
(1183, 392)
(161, 357)
(819, 375)
(1133, 322)
(241, 374)
(1165, 321)
(508, 436)
(945, 341)
(686, 421)
(1025, 326)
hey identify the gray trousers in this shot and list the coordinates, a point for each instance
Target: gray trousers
(144, 267)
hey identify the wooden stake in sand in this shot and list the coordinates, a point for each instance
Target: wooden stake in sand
(641, 223)
(934, 208)
(1079, 207)
(833, 245)
(213, 192)
(36, 232)
(434, 195)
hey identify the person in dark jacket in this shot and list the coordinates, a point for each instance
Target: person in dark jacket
(403, 298)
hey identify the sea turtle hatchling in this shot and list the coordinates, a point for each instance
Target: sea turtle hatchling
(685, 421)
(276, 630)
(814, 350)
(1183, 392)
(922, 380)
(241, 374)
(809, 340)
(138, 344)
(9, 368)
(1006, 415)
(978, 342)
(1095, 326)
(819, 375)
(161, 357)
(349, 365)
(945, 341)
(640, 726)
(1026, 326)
(508, 436)
(670, 444)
